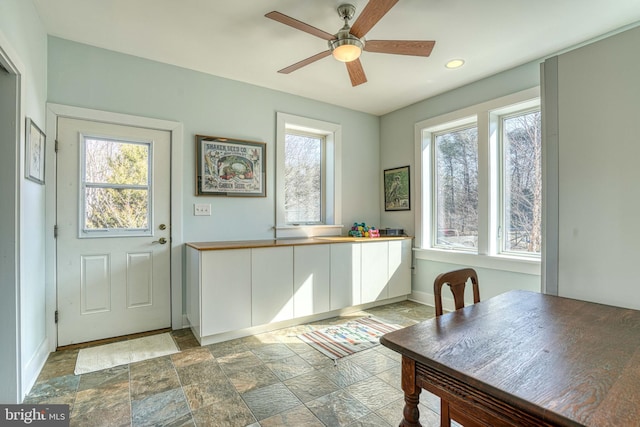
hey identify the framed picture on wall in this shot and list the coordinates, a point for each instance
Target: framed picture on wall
(397, 189)
(230, 167)
(34, 153)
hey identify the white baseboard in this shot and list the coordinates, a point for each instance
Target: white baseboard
(32, 369)
(422, 298)
(428, 299)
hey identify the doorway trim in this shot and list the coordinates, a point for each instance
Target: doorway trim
(176, 129)
(13, 367)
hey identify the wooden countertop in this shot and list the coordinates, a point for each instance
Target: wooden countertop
(248, 244)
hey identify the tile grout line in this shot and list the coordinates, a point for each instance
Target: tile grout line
(130, 398)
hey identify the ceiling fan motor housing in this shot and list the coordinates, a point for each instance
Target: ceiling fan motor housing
(344, 36)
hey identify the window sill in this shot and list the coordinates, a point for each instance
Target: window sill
(493, 262)
(302, 231)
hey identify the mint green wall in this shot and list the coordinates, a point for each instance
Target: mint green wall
(492, 282)
(22, 301)
(85, 76)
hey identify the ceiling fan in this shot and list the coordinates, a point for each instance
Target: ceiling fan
(348, 43)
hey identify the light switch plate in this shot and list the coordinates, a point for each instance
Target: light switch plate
(202, 209)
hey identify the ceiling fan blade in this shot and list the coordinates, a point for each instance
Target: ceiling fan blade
(304, 62)
(356, 72)
(401, 47)
(299, 25)
(371, 14)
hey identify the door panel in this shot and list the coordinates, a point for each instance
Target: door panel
(113, 212)
(95, 283)
(139, 279)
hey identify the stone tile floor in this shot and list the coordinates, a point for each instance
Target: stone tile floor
(270, 379)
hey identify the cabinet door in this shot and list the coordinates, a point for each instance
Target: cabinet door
(399, 268)
(226, 290)
(311, 265)
(345, 275)
(272, 285)
(375, 271)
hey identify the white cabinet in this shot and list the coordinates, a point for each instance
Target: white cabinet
(226, 292)
(345, 275)
(272, 285)
(218, 290)
(399, 268)
(233, 289)
(375, 271)
(311, 275)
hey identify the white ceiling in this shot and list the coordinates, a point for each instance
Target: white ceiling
(233, 39)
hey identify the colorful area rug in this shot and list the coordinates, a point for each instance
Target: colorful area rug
(124, 352)
(342, 340)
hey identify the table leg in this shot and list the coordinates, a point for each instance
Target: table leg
(410, 413)
(445, 416)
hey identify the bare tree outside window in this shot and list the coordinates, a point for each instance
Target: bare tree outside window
(116, 185)
(456, 189)
(303, 178)
(522, 179)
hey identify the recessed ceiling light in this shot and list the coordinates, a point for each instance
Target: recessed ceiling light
(454, 63)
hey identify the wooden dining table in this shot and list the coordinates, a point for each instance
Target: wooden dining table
(525, 359)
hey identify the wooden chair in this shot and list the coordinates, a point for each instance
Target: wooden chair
(457, 281)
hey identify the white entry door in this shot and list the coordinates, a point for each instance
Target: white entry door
(113, 213)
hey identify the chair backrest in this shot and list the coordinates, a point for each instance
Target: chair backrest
(457, 281)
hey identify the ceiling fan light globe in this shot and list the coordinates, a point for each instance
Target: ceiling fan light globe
(346, 48)
(347, 53)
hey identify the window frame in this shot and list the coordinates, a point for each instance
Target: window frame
(486, 116)
(88, 233)
(332, 177)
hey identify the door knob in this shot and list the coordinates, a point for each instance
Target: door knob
(161, 240)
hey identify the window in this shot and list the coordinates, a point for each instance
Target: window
(308, 178)
(116, 187)
(521, 143)
(303, 178)
(480, 186)
(456, 188)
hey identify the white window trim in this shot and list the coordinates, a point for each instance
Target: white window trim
(333, 177)
(485, 115)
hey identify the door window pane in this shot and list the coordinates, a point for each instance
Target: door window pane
(522, 182)
(116, 208)
(456, 189)
(303, 178)
(116, 186)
